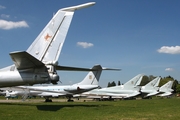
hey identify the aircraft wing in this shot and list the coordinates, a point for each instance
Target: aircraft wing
(165, 94)
(50, 94)
(133, 94)
(94, 93)
(83, 69)
(115, 95)
(35, 89)
(151, 94)
(24, 60)
(42, 92)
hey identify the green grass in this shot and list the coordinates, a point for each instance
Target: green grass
(151, 109)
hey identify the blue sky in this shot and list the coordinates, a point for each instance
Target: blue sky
(138, 36)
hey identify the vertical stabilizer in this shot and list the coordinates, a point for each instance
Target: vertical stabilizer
(47, 46)
(92, 78)
(153, 83)
(134, 81)
(157, 82)
(151, 88)
(166, 87)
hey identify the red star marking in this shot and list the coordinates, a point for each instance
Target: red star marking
(47, 37)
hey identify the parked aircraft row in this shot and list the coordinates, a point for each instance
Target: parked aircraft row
(132, 88)
(89, 87)
(90, 82)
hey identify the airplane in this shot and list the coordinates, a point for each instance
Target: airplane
(11, 94)
(166, 90)
(128, 90)
(150, 88)
(88, 83)
(38, 64)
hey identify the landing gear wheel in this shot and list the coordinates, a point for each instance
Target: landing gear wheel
(48, 100)
(70, 100)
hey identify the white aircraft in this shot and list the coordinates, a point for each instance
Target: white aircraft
(166, 90)
(150, 88)
(128, 90)
(39, 63)
(88, 83)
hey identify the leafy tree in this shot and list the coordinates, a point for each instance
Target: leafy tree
(174, 87)
(151, 77)
(178, 88)
(111, 84)
(144, 81)
(165, 80)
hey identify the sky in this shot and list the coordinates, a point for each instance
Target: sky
(137, 36)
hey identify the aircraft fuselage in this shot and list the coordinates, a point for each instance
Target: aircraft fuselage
(14, 78)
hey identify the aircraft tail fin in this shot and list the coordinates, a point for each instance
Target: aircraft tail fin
(134, 81)
(166, 87)
(157, 82)
(154, 82)
(92, 78)
(48, 44)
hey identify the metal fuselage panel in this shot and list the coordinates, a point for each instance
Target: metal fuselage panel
(15, 78)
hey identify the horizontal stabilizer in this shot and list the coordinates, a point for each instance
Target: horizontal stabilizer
(24, 60)
(77, 7)
(95, 68)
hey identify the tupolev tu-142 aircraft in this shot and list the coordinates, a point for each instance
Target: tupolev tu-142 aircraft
(38, 64)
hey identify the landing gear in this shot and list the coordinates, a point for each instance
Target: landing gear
(69, 100)
(48, 100)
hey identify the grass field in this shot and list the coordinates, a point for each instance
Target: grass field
(149, 109)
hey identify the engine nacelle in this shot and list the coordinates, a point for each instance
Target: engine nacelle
(54, 78)
(71, 89)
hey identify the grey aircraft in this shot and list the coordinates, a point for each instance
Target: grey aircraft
(38, 64)
(129, 90)
(150, 88)
(166, 89)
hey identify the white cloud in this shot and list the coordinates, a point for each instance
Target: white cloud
(6, 25)
(2, 7)
(169, 50)
(169, 69)
(5, 16)
(85, 44)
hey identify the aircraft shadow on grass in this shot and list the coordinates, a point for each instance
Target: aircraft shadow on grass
(58, 107)
(54, 108)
